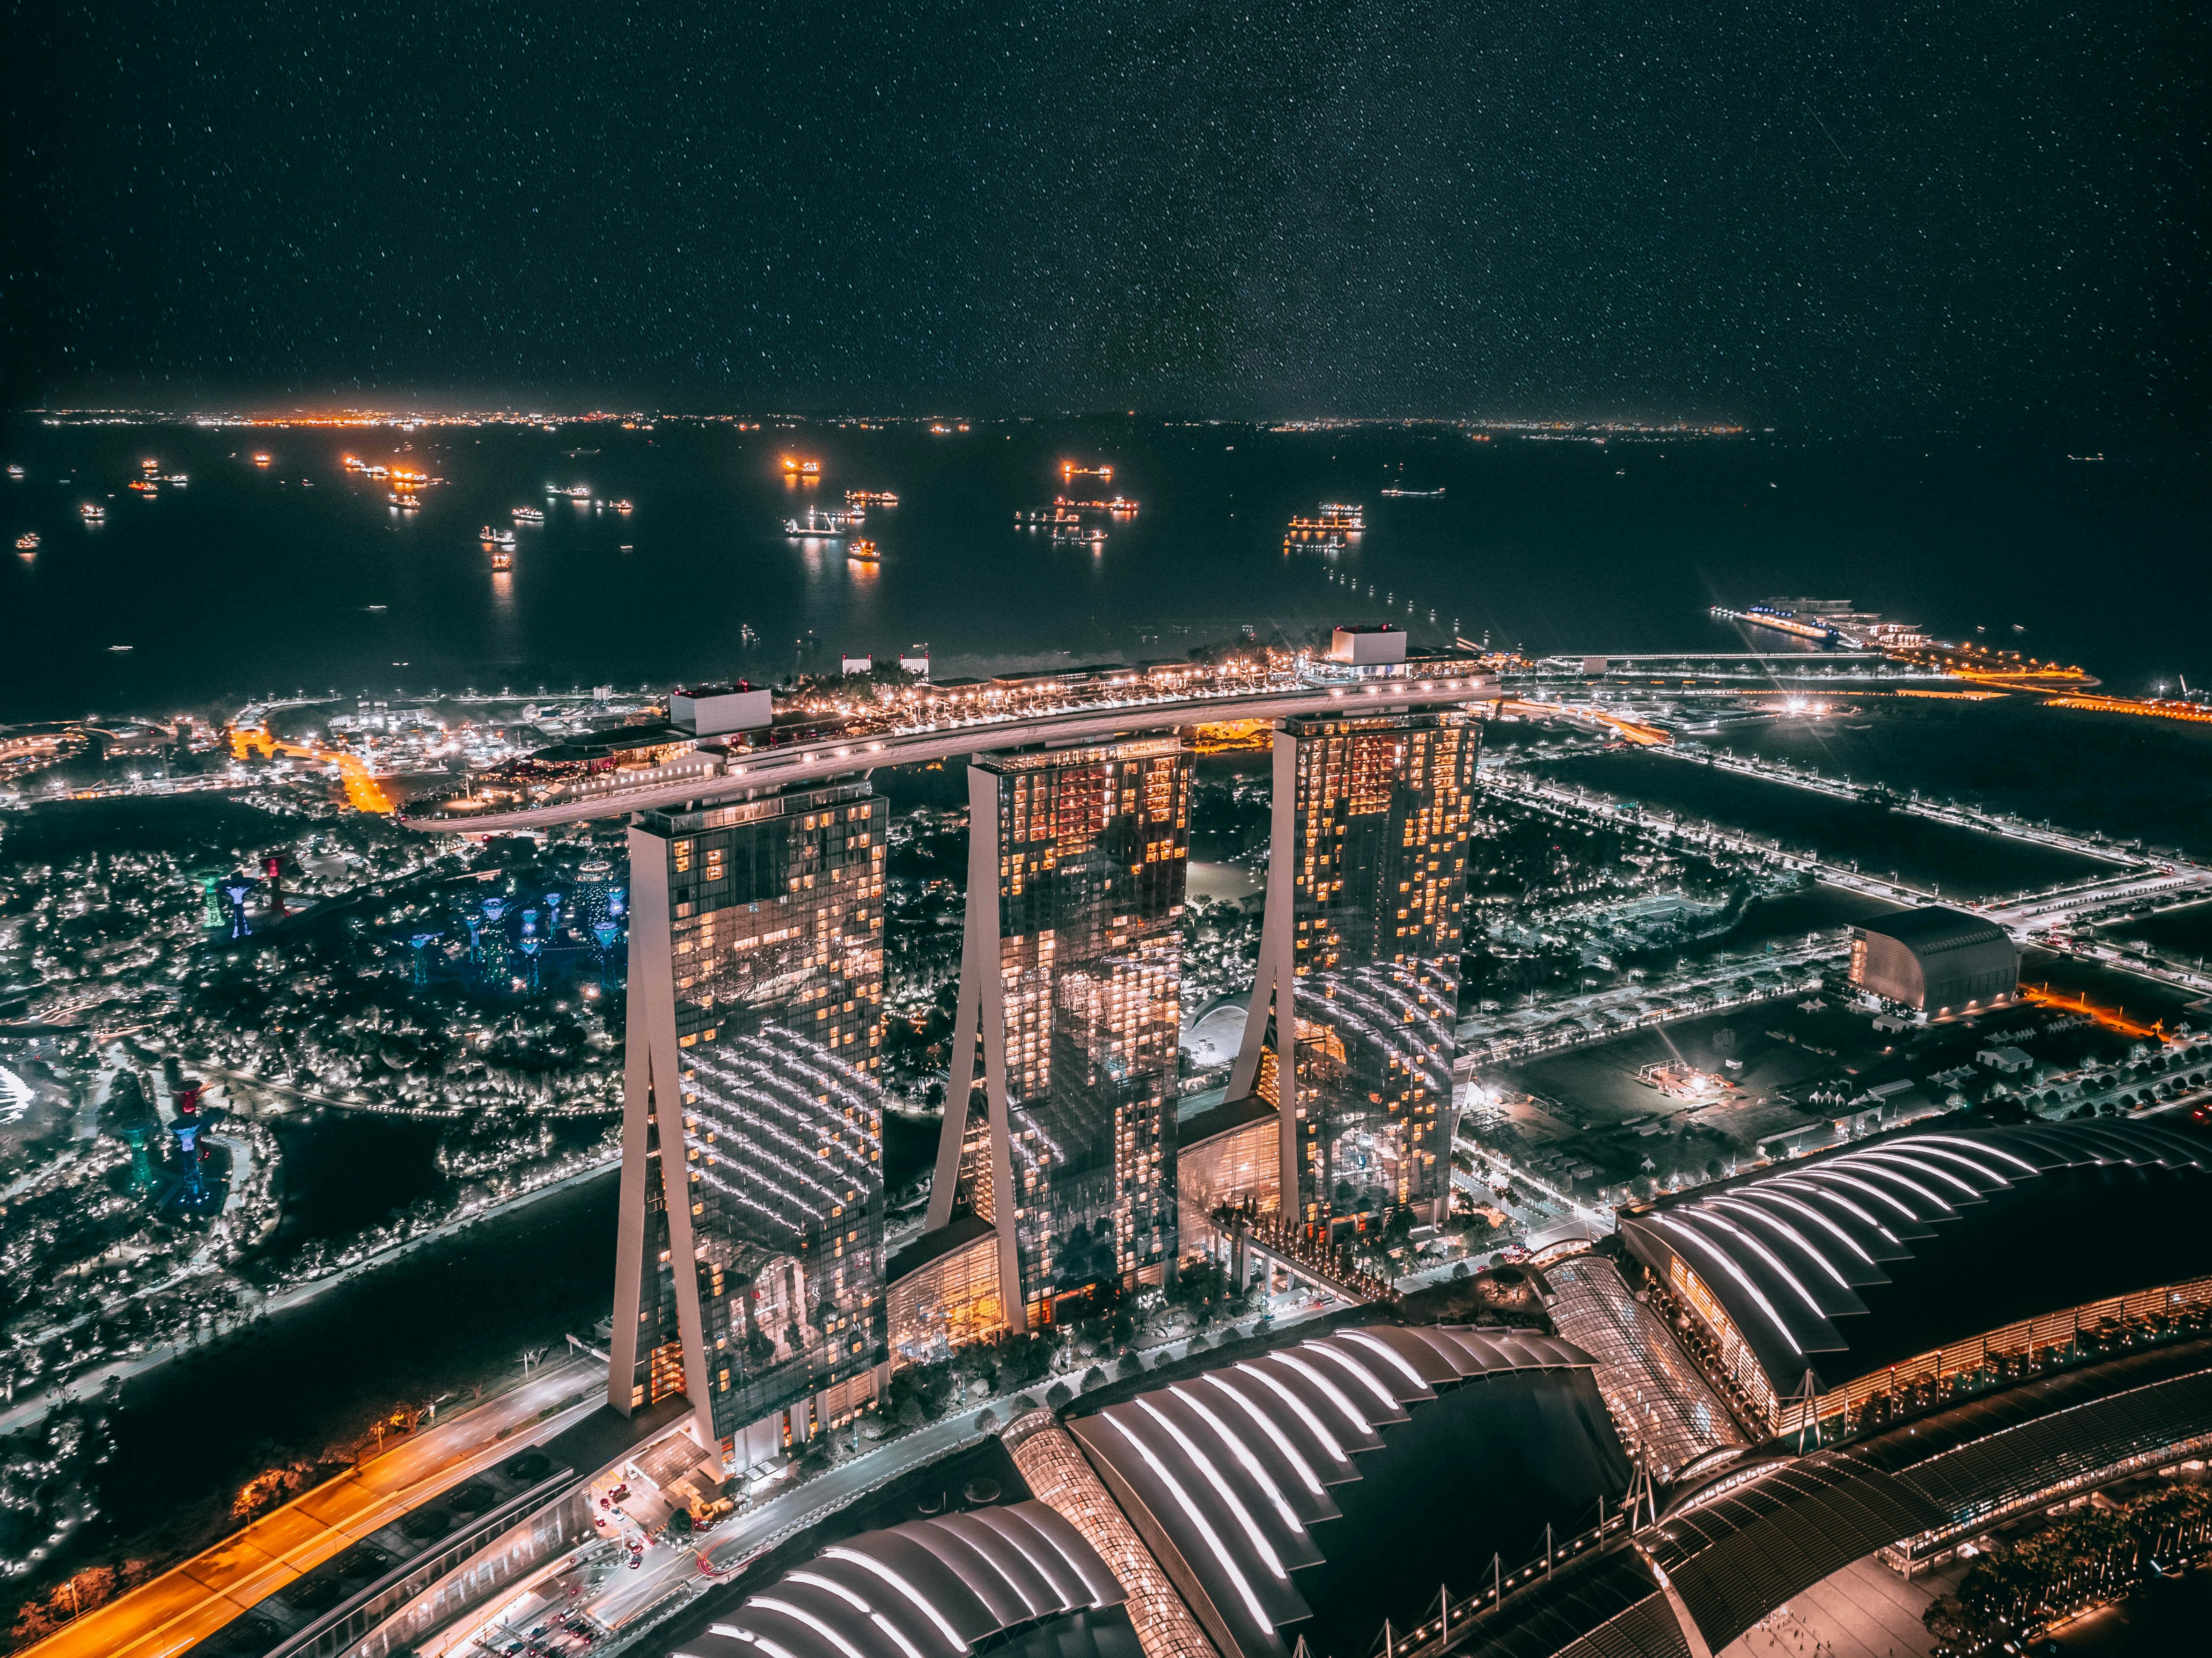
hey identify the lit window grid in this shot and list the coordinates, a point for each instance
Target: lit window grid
(1379, 893)
(777, 924)
(1090, 970)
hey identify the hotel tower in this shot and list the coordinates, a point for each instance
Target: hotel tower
(1071, 984)
(1351, 1033)
(749, 1262)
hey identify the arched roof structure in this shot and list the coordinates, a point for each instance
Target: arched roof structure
(1843, 1263)
(934, 1588)
(1226, 1473)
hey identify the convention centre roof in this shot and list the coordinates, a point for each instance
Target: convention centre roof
(1847, 1263)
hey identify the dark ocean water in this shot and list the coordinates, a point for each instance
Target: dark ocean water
(252, 580)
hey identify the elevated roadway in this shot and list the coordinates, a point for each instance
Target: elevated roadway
(188, 1604)
(702, 784)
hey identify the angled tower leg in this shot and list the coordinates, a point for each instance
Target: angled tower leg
(981, 1012)
(655, 1203)
(984, 854)
(960, 1079)
(637, 1238)
(1274, 1012)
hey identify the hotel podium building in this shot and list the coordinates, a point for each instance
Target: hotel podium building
(1071, 982)
(748, 1268)
(1353, 1029)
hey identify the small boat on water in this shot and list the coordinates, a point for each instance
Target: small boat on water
(27, 543)
(92, 511)
(14, 472)
(501, 559)
(862, 551)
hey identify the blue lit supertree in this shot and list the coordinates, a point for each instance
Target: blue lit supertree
(530, 946)
(419, 970)
(553, 918)
(604, 935)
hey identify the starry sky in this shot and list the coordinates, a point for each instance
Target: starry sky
(1849, 213)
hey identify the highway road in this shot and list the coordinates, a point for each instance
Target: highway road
(190, 1602)
(812, 763)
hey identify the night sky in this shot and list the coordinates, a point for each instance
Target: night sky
(1853, 214)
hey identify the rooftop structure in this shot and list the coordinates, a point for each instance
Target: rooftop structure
(1906, 1260)
(1319, 1488)
(712, 710)
(956, 1581)
(1937, 960)
(1366, 646)
(1754, 1534)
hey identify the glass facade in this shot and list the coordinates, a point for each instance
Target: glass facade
(1234, 1166)
(1376, 830)
(1093, 846)
(775, 972)
(946, 1301)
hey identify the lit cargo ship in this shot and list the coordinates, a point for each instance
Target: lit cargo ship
(528, 515)
(819, 525)
(92, 513)
(1415, 494)
(870, 498)
(1123, 506)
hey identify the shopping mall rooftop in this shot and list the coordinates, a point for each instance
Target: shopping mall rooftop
(1893, 1250)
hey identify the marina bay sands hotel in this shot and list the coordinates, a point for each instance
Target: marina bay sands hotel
(752, 1270)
